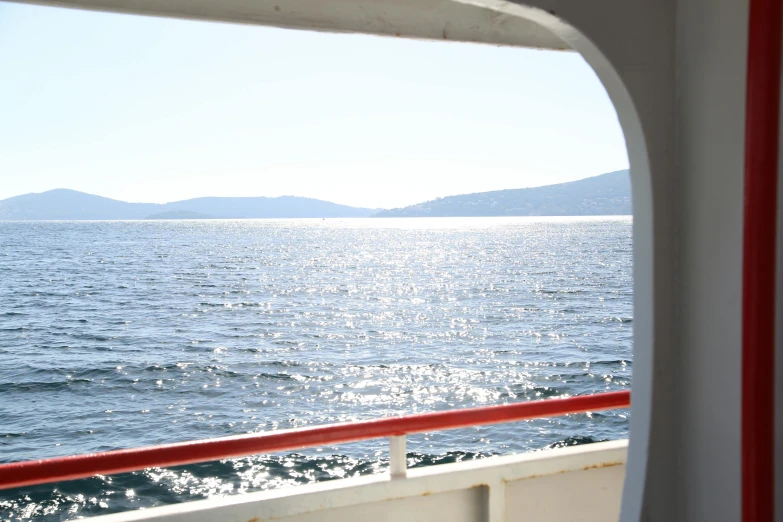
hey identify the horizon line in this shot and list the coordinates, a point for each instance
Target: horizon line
(300, 197)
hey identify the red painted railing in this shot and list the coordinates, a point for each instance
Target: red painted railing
(762, 124)
(33, 472)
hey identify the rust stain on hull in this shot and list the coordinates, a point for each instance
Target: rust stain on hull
(585, 468)
(603, 465)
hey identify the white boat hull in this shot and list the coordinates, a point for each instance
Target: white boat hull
(576, 484)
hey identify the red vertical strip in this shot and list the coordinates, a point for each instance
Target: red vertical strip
(758, 277)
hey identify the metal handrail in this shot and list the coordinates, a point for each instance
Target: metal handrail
(28, 473)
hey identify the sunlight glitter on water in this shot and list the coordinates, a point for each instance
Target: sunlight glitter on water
(149, 332)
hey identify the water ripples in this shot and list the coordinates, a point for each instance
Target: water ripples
(121, 334)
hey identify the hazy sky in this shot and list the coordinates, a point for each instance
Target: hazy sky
(157, 110)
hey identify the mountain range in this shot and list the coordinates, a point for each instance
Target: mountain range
(71, 204)
(607, 194)
(604, 195)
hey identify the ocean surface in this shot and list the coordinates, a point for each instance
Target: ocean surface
(123, 334)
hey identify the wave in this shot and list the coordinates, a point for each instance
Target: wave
(39, 386)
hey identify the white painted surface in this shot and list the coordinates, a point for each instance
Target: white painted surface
(398, 458)
(428, 19)
(709, 196)
(590, 495)
(577, 484)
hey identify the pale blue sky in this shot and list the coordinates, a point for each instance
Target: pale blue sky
(156, 110)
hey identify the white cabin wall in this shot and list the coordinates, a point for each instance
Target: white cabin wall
(428, 19)
(711, 59)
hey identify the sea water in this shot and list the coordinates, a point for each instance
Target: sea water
(131, 333)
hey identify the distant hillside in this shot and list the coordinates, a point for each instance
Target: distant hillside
(608, 194)
(71, 204)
